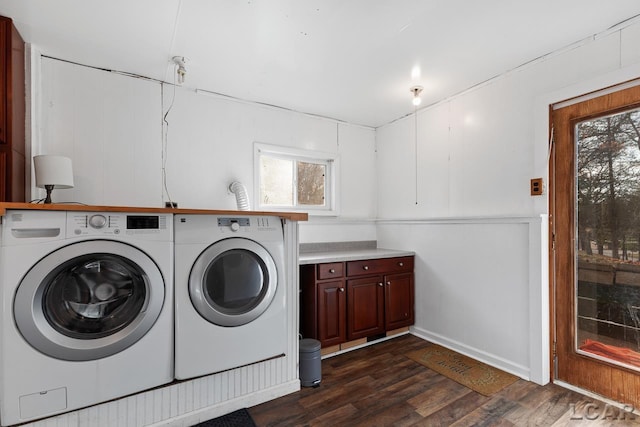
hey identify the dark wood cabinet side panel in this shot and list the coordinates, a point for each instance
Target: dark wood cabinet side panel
(3, 175)
(16, 118)
(5, 55)
(12, 111)
(18, 95)
(308, 302)
(17, 180)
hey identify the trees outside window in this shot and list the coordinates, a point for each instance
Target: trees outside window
(608, 188)
(295, 179)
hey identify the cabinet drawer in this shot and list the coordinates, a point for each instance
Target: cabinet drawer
(381, 265)
(330, 270)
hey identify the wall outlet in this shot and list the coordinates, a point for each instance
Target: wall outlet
(537, 187)
(170, 204)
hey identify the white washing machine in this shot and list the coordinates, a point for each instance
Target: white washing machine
(230, 292)
(87, 309)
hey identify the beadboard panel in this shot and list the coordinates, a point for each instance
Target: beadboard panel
(185, 403)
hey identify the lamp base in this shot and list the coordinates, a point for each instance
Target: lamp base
(49, 189)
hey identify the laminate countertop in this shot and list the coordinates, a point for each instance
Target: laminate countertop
(350, 255)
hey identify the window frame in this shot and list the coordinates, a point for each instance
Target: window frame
(332, 162)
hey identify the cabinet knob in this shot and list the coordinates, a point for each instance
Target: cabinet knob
(366, 267)
(380, 284)
(341, 289)
(388, 283)
(401, 264)
(332, 270)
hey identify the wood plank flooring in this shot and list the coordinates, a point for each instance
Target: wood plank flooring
(380, 386)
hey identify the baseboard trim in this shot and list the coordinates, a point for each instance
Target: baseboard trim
(484, 357)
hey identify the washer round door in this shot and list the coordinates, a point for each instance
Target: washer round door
(233, 282)
(89, 300)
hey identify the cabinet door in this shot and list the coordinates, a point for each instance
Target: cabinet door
(331, 313)
(398, 300)
(365, 307)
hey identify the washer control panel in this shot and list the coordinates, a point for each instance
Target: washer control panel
(115, 224)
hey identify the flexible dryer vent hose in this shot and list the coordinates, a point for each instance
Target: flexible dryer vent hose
(242, 198)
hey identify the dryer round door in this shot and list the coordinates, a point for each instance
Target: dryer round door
(89, 300)
(233, 282)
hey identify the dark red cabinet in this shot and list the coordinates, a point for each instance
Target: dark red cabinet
(346, 301)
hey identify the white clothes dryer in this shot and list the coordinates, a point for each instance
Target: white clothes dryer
(230, 292)
(87, 309)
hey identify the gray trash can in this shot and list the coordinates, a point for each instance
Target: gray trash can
(310, 363)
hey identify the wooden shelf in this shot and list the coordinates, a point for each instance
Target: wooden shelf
(4, 206)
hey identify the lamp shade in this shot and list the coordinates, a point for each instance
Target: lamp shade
(53, 170)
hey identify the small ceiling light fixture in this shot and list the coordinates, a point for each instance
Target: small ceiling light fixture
(416, 90)
(181, 70)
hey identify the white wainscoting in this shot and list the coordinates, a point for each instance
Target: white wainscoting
(186, 403)
(481, 287)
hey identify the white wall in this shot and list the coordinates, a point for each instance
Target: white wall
(109, 125)
(476, 152)
(112, 128)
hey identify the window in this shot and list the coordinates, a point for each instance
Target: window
(295, 179)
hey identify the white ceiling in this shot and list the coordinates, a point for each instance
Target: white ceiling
(351, 60)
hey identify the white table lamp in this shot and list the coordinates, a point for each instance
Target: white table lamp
(53, 172)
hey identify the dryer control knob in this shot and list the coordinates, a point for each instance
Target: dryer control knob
(97, 221)
(235, 226)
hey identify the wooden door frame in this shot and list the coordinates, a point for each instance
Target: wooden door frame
(542, 362)
(551, 206)
(595, 376)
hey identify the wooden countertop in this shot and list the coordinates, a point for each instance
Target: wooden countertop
(4, 206)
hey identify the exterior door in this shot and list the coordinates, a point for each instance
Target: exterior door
(595, 205)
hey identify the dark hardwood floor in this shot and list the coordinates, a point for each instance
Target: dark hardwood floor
(380, 386)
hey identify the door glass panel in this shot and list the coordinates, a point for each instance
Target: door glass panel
(95, 295)
(607, 238)
(235, 282)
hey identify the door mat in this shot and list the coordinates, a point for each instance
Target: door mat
(469, 372)
(239, 418)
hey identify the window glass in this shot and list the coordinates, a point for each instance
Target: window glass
(276, 184)
(608, 219)
(296, 179)
(311, 183)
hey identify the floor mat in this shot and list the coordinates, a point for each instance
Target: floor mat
(239, 418)
(469, 372)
